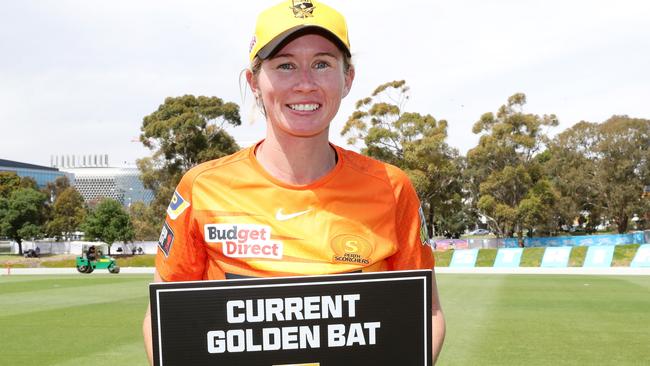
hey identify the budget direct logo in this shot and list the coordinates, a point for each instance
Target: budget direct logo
(243, 240)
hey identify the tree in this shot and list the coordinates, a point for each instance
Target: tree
(183, 132)
(414, 142)
(572, 166)
(21, 215)
(145, 225)
(623, 157)
(108, 222)
(68, 213)
(506, 178)
(601, 170)
(54, 189)
(9, 181)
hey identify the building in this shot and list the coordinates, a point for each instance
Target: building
(41, 174)
(95, 179)
(121, 184)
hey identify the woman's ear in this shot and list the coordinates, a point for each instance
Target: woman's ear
(252, 83)
(349, 78)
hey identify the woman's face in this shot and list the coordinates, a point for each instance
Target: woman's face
(302, 85)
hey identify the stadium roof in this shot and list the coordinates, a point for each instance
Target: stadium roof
(18, 165)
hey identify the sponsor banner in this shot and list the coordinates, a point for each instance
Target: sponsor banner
(381, 318)
(556, 257)
(445, 244)
(574, 241)
(465, 258)
(508, 257)
(642, 257)
(599, 256)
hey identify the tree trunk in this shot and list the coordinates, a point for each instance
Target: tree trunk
(20, 247)
(622, 224)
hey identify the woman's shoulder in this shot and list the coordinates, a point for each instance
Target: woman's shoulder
(220, 163)
(373, 167)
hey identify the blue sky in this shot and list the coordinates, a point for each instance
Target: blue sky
(77, 77)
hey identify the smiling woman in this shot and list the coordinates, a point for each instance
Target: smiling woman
(293, 203)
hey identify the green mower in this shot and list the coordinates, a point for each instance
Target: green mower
(91, 260)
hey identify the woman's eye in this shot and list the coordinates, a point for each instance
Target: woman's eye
(321, 65)
(285, 66)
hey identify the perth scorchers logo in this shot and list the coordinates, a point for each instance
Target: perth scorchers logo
(303, 8)
(243, 240)
(350, 248)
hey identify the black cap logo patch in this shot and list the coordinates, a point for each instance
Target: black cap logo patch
(303, 9)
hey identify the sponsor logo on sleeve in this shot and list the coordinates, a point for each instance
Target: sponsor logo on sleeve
(243, 240)
(166, 239)
(177, 205)
(424, 233)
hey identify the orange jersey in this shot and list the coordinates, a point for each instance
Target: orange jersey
(229, 218)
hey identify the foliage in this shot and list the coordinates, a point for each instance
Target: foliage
(54, 189)
(415, 143)
(505, 177)
(22, 215)
(182, 132)
(9, 181)
(68, 212)
(108, 222)
(146, 226)
(600, 171)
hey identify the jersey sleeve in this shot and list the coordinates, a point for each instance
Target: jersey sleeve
(414, 251)
(181, 253)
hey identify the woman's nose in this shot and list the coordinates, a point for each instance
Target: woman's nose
(306, 81)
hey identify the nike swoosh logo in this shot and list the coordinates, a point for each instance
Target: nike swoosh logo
(284, 217)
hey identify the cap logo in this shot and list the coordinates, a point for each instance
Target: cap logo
(303, 9)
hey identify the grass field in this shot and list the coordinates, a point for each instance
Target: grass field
(491, 320)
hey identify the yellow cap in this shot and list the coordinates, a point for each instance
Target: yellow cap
(276, 24)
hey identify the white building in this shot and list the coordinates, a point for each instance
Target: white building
(95, 179)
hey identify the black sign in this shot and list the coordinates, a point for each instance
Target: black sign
(381, 318)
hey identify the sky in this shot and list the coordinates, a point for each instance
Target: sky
(78, 76)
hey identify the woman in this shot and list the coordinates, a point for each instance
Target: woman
(294, 204)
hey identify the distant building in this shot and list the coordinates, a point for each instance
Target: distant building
(95, 179)
(41, 174)
(646, 191)
(121, 184)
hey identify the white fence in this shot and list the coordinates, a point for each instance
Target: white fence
(75, 247)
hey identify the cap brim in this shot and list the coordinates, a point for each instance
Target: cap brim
(290, 34)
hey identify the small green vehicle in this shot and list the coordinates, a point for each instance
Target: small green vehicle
(92, 259)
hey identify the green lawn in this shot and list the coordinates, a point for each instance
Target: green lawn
(72, 320)
(545, 320)
(491, 320)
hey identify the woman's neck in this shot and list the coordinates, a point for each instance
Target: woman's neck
(296, 160)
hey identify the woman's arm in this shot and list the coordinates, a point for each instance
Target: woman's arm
(146, 325)
(438, 320)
